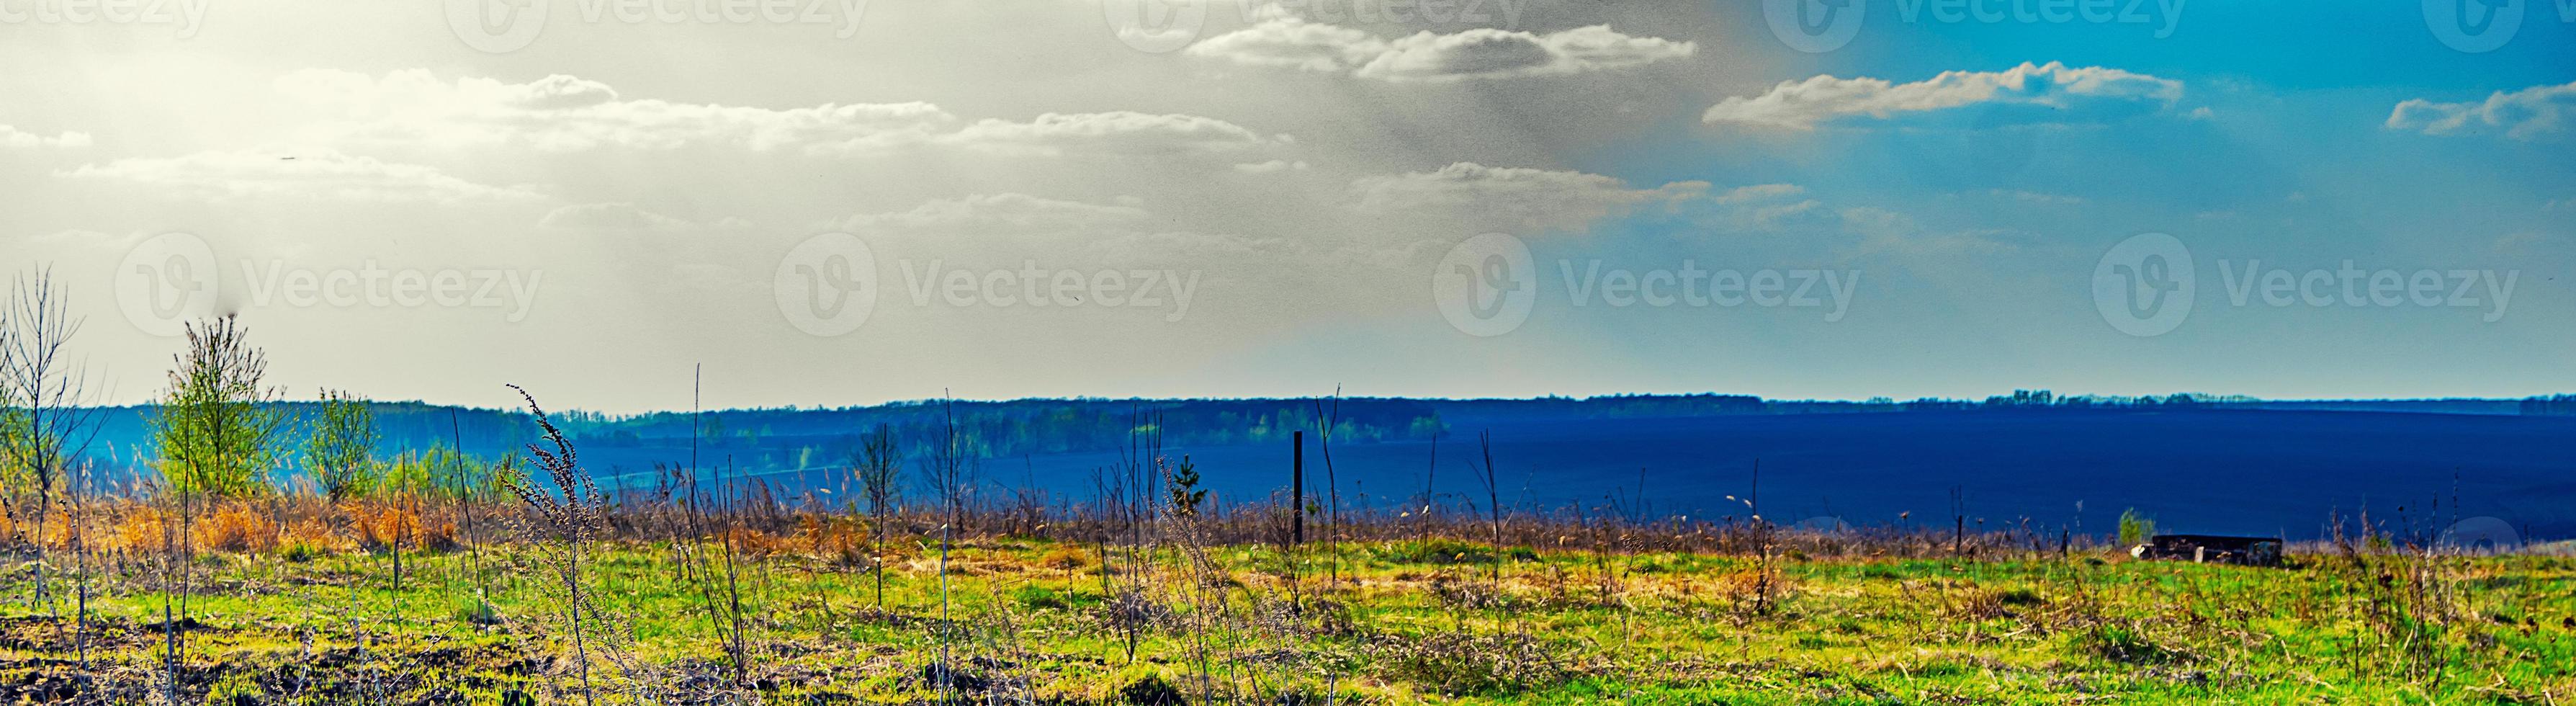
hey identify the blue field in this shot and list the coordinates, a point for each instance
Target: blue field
(2202, 470)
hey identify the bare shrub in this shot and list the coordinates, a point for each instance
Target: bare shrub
(1461, 663)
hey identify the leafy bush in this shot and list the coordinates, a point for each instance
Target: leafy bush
(340, 452)
(2135, 529)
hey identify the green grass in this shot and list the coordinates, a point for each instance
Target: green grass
(1405, 622)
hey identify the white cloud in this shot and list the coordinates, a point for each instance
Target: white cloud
(2038, 197)
(318, 175)
(610, 216)
(1885, 231)
(563, 113)
(2050, 93)
(1016, 228)
(14, 138)
(2527, 114)
(987, 213)
(1537, 197)
(2524, 241)
(1291, 42)
(1760, 192)
(1271, 167)
(1502, 197)
(567, 114)
(1119, 132)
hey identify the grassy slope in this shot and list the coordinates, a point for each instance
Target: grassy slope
(1418, 623)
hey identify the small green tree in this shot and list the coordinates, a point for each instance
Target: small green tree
(1184, 482)
(216, 432)
(2135, 528)
(340, 453)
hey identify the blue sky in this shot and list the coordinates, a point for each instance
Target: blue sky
(1299, 191)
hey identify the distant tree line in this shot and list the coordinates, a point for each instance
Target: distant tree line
(2550, 405)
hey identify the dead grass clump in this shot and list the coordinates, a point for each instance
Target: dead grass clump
(1992, 603)
(839, 540)
(2126, 642)
(755, 544)
(140, 529)
(436, 534)
(384, 525)
(1472, 594)
(306, 541)
(58, 529)
(1065, 558)
(1747, 585)
(1131, 611)
(237, 528)
(1460, 663)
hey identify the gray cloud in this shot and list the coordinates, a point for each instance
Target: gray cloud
(610, 216)
(315, 175)
(568, 114)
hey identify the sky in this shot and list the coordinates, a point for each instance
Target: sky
(837, 202)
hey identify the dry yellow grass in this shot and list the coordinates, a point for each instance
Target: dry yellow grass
(237, 528)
